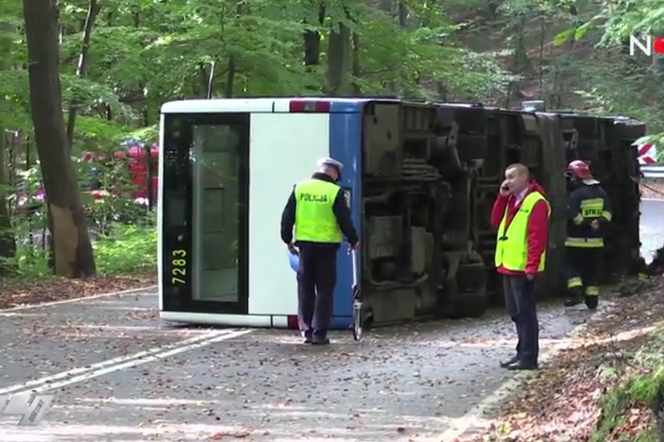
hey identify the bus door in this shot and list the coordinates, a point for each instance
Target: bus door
(205, 213)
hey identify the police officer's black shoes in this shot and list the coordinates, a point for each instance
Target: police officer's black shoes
(521, 365)
(591, 302)
(506, 364)
(320, 340)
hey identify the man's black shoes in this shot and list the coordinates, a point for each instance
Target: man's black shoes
(522, 366)
(516, 364)
(506, 364)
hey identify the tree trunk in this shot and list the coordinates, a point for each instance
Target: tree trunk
(311, 40)
(93, 11)
(71, 242)
(230, 78)
(356, 65)
(7, 239)
(337, 54)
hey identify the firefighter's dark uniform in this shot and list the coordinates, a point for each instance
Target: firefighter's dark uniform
(321, 216)
(584, 245)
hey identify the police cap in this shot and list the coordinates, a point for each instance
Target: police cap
(322, 162)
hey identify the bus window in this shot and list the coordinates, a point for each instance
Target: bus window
(206, 164)
(216, 200)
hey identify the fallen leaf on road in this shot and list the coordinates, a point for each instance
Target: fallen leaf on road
(17, 292)
(233, 434)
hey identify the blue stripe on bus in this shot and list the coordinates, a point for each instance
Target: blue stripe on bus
(345, 146)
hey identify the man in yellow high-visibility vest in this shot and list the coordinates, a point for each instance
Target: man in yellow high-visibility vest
(320, 213)
(521, 215)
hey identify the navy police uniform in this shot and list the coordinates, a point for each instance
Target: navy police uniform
(318, 210)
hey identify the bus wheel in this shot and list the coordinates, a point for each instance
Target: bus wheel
(470, 299)
(469, 305)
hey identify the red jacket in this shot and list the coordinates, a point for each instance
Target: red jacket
(538, 227)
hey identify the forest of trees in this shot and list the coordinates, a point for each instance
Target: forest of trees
(84, 75)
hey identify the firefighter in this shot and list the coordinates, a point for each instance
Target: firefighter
(589, 213)
(321, 215)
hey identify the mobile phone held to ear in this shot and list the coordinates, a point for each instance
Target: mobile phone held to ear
(505, 188)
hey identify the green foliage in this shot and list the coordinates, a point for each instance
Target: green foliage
(124, 249)
(143, 53)
(128, 249)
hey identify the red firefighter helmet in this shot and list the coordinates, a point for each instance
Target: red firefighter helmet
(580, 170)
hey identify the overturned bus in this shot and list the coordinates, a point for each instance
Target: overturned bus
(420, 178)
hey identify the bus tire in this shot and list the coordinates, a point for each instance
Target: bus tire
(469, 305)
(470, 299)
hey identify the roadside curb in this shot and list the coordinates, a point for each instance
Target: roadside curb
(475, 419)
(81, 299)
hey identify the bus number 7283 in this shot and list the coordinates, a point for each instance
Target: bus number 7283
(178, 265)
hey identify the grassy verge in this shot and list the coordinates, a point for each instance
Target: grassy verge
(126, 258)
(631, 409)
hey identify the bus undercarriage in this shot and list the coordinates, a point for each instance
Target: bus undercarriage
(430, 175)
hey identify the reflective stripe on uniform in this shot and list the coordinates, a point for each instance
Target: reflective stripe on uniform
(574, 282)
(512, 242)
(592, 208)
(585, 243)
(592, 290)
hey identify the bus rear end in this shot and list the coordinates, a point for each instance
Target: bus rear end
(227, 168)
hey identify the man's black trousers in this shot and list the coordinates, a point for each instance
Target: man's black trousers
(520, 303)
(316, 279)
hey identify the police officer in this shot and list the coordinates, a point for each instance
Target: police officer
(321, 215)
(589, 213)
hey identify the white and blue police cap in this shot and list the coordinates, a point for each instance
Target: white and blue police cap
(322, 162)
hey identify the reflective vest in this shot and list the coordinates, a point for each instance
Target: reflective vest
(592, 204)
(512, 244)
(314, 218)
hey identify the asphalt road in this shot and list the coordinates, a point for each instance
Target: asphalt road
(119, 374)
(652, 227)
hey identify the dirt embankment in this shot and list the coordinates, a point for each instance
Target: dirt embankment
(652, 189)
(601, 388)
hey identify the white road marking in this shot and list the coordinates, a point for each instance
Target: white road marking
(115, 361)
(136, 362)
(73, 300)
